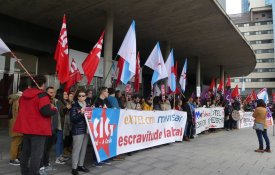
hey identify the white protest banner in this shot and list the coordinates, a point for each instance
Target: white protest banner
(114, 131)
(217, 118)
(201, 120)
(246, 121)
(206, 118)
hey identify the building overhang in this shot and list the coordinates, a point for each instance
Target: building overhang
(194, 28)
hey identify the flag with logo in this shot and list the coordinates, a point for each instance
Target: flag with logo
(127, 52)
(156, 63)
(170, 67)
(75, 76)
(61, 55)
(91, 62)
(183, 76)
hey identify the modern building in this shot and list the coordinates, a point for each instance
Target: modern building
(257, 27)
(208, 39)
(223, 4)
(245, 6)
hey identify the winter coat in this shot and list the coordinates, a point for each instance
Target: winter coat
(14, 102)
(34, 114)
(79, 125)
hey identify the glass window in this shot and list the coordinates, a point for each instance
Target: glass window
(257, 24)
(246, 33)
(246, 25)
(269, 23)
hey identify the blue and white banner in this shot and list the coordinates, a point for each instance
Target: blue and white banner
(114, 132)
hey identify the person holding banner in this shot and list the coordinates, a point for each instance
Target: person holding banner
(79, 132)
(189, 123)
(260, 126)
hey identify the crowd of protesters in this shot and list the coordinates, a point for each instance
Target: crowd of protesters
(43, 118)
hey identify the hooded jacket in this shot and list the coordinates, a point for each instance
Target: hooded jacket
(34, 114)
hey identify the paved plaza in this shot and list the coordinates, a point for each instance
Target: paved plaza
(223, 152)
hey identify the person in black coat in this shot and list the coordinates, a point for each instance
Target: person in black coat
(189, 123)
(79, 132)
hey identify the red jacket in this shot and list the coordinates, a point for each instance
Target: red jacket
(34, 115)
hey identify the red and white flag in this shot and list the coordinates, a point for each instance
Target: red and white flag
(3, 47)
(91, 62)
(75, 76)
(61, 55)
(251, 97)
(228, 83)
(220, 88)
(136, 85)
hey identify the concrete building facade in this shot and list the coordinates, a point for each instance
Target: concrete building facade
(257, 27)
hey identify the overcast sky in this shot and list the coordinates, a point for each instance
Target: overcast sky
(233, 6)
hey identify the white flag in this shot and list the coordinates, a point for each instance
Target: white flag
(183, 76)
(155, 62)
(3, 47)
(128, 52)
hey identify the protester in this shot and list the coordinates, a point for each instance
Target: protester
(135, 103)
(261, 129)
(101, 101)
(157, 103)
(178, 105)
(16, 137)
(165, 105)
(113, 102)
(34, 121)
(148, 105)
(189, 122)
(90, 99)
(228, 120)
(79, 132)
(68, 139)
(119, 99)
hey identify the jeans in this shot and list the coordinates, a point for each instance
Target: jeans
(59, 143)
(260, 135)
(47, 149)
(188, 129)
(32, 149)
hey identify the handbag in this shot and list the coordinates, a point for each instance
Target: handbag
(258, 126)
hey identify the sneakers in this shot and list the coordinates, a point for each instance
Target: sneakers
(259, 150)
(15, 162)
(98, 165)
(60, 161)
(107, 162)
(43, 172)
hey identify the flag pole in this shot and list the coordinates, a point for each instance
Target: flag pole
(19, 62)
(174, 99)
(105, 78)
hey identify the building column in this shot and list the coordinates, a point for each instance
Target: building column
(198, 77)
(108, 49)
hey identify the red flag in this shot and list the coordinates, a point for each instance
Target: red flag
(228, 83)
(119, 66)
(251, 97)
(220, 88)
(92, 60)
(75, 76)
(235, 92)
(136, 85)
(212, 85)
(62, 54)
